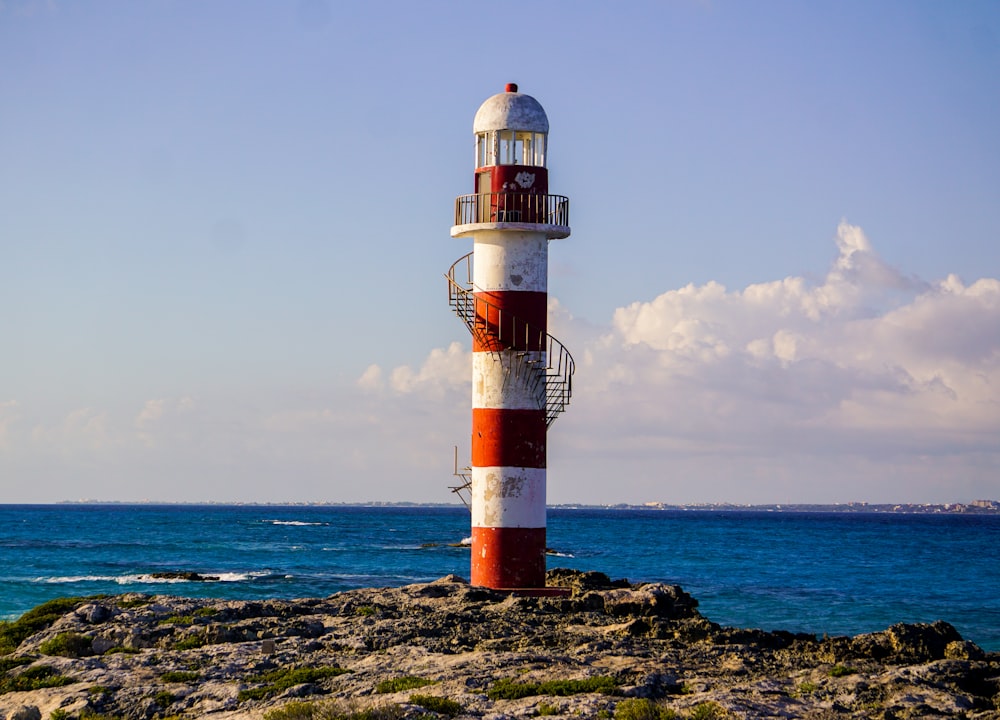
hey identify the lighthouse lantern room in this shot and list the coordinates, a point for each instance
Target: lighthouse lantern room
(521, 375)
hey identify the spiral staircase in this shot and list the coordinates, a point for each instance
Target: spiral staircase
(549, 379)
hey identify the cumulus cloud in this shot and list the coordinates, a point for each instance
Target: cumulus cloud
(83, 430)
(444, 374)
(161, 418)
(859, 375)
(866, 384)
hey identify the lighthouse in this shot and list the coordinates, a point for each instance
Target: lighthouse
(521, 375)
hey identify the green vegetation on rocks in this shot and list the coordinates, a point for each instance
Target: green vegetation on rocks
(281, 679)
(407, 682)
(335, 710)
(191, 642)
(708, 711)
(67, 644)
(34, 678)
(510, 690)
(8, 663)
(643, 709)
(134, 602)
(37, 619)
(483, 649)
(436, 703)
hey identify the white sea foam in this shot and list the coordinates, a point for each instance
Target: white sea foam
(60, 579)
(149, 579)
(296, 523)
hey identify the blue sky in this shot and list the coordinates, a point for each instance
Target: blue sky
(223, 229)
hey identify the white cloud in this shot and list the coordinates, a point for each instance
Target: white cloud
(869, 381)
(86, 432)
(161, 417)
(865, 385)
(442, 373)
(371, 379)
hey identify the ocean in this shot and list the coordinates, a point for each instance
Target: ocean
(815, 572)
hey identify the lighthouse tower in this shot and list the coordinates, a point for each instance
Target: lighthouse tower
(521, 376)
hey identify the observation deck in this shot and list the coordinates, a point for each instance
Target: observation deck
(531, 212)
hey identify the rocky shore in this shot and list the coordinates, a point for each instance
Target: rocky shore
(604, 650)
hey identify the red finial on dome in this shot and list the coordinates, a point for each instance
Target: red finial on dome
(510, 87)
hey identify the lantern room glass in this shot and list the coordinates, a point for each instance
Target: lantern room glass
(510, 147)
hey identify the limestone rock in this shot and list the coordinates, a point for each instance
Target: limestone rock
(165, 656)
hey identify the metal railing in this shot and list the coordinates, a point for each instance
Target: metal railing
(502, 332)
(516, 207)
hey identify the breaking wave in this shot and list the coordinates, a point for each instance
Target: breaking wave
(149, 579)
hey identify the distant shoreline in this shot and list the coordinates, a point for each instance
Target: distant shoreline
(977, 507)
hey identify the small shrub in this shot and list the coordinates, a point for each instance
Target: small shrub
(180, 676)
(292, 711)
(335, 710)
(98, 690)
(191, 642)
(37, 619)
(438, 704)
(807, 688)
(407, 682)
(365, 611)
(122, 650)
(600, 684)
(9, 663)
(163, 698)
(546, 709)
(177, 620)
(206, 612)
(507, 689)
(708, 711)
(382, 712)
(841, 671)
(281, 679)
(134, 603)
(642, 709)
(67, 644)
(59, 714)
(34, 678)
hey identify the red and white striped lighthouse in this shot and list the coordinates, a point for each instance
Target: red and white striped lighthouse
(521, 376)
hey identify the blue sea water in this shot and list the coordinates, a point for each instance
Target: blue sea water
(834, 573)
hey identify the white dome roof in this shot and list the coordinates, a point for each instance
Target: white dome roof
(511, 110)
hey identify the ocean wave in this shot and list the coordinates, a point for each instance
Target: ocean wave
(149, 579)
(295, 523)
(60, 579)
